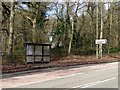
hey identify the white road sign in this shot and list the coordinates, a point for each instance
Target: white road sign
(100, 41)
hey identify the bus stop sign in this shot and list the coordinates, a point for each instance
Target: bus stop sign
(100, 41)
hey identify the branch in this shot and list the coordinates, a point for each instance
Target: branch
(29, 18)
(82, 7)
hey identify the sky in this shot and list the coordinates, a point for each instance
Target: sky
(24, 6)
(52, 12)
(60, 0)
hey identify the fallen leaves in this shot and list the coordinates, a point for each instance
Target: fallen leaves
(62, 62)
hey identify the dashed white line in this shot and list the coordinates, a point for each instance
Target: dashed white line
(94, 83)
(48, 79)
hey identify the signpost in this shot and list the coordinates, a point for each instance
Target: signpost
(99, 42)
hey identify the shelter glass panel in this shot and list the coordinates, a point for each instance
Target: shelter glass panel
(46, 59)
(38, 50)
(30, 49)
(30, 59)
(38, 59)
(46, 50)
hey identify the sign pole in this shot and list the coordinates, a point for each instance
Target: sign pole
(99, 51)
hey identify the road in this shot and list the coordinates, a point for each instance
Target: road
(95, 76)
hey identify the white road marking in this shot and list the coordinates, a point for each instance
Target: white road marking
(47, 80)
(98, 82)
(94, 83)
(56, 77)
(85, 85)
(108, 79)
(108, 69)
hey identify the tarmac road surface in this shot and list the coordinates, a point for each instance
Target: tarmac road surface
(95, 76)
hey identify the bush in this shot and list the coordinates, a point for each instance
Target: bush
(87, 51)
(63, 51)
(59, 51)
(113, 50)
(17, 58)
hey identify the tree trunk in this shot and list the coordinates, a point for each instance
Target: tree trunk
(91, 26)
(110, 27)
(24, 30)
(101, 29)
(71, 38)
(0, 26)
(59, 38)
(91, 32)
(34, 31)
(11, 31)
(118, 28)
(97, 46)
(67, 27)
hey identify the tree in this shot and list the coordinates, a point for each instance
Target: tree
(36, 15)
(71, 36)
(118, 25)
(101, 28)
(67, 25)
(1, 26)
(97, 46)
(91, 12)
(110, 24)
(11, 30)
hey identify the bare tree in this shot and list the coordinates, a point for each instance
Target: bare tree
(74, 16)
(36, 16)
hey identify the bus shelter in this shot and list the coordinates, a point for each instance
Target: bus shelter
(37, 53)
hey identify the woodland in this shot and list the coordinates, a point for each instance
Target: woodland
(70, 27)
